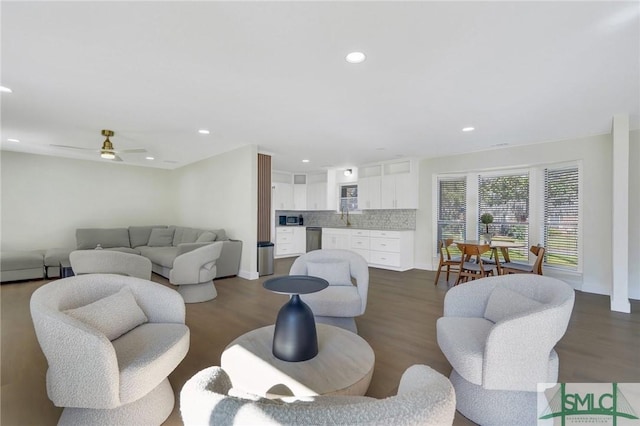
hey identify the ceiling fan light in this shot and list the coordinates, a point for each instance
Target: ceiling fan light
(107, 155)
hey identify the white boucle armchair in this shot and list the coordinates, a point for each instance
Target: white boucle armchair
(425, 397)
(339, 303)
(110, 342)
(499, 334)
(193, 272)
(110, 262)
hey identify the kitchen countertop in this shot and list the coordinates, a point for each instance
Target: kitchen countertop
(366, 228)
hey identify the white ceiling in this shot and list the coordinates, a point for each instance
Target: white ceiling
(273, 74)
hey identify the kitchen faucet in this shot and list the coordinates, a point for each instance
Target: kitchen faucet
(342, 214)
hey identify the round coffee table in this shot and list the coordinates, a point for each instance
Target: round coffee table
(343, 366)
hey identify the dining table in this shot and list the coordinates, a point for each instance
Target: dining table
(497, 244)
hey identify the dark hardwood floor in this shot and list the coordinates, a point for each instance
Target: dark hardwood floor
(399, 324)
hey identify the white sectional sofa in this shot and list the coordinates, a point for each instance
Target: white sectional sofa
(163, 245)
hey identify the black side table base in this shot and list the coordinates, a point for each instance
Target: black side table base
(295, 338)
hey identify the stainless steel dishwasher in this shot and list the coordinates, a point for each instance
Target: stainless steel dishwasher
(314, 238)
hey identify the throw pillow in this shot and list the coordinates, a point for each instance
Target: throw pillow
(161, 237)
(504, 303)
(206, 237)
(336, 273)
(113, 315)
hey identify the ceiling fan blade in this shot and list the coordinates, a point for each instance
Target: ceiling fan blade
(116, 158)
(131, 151)
(72, 147)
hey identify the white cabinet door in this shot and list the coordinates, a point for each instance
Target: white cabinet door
(369, 193)
(335, 238)
(388, 192)
(299, 196)
(399, 191)
(300, 239)
(317, 196)
(282, 196)
(406, 191)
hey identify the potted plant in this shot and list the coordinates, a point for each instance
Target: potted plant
(486, 219)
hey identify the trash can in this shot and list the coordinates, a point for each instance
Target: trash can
(265, 258)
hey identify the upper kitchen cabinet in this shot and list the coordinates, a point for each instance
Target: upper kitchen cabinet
(282, 186)
(299, 192)
(317, 192)
(399, 185)
(369, 187)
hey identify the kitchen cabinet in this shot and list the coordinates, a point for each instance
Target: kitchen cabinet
(317, 196)
(334, 238)
(299, 196)
(399, 186)
(290, 241)
(369, 191)
(282, 196)
(381, 249)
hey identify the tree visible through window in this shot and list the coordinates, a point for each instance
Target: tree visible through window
(506, 197)
(452, 203)
(348, 197)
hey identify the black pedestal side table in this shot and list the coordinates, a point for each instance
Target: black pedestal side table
(295, 338)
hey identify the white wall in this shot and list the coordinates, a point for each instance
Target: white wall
(44, 199)
(221, 192)
(596, 155)
(634, 215)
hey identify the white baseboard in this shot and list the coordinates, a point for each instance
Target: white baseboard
(424, 266)
(248, 275)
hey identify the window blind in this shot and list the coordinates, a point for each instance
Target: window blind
(506, 198)
(452, 208)
(561, 213)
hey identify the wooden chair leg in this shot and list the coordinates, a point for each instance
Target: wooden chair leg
(448, 267)
(438, 276)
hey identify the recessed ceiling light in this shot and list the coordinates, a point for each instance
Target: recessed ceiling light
(149, 158)
(204, 131)
(13, 140)
(305, 161)
(5, 89)
(355, 57)
(468, 129)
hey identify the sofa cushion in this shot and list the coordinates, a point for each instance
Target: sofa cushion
(462, 341)
(147, 354)
(163, 256)
(124, 250)
(54, 256)
(335, 272)
(206, 237)
(504, 303)
(160, 237)
(112, 315)
(139, 235)
(16, 260)
(184, 235)
(89, 238)
(221, 234)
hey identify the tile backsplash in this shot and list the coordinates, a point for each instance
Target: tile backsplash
(368, 219)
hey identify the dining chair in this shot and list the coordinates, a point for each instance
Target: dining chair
(450, 263)
(474, 270)
(526, 268)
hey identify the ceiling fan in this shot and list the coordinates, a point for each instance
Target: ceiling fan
(107, 151)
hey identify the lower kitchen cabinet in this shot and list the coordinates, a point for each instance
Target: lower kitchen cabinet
(290, 241)
(381, 249)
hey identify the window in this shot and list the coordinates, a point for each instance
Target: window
(348, 197)
(561, 212)
(506, 198)
(452, 202)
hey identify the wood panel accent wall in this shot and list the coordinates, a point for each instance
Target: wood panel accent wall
(264, 197)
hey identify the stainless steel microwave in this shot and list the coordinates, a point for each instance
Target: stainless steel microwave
(293, 221)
